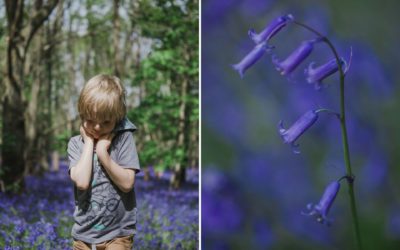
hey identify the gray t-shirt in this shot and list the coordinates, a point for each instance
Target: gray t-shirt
(103, 212)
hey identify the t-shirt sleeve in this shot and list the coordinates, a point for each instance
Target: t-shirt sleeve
(127, 155)
(73, 153)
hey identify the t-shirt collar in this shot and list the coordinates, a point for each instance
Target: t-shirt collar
(125, 125)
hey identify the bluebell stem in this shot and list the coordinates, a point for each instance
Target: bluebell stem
(320, 210)
(251, 58)
(271, 30)
(295, 58)
(318, 74)
(290, 135)
(345, 142)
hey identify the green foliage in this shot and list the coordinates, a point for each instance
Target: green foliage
(172, 63)
(60, 142)
(160, 113)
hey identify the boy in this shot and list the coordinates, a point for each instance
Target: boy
(102, 164)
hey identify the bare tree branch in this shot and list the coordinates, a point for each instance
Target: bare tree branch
(40, 16)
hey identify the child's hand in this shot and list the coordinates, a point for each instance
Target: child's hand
(103, 144)
(86, 137)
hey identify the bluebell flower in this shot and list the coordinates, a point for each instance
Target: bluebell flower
(320, 211)
(295, 58)
(221, 208)
(290, 135)
(251, 58)
(270, 30)
(318, 74)
(262, 234)
(393, 222)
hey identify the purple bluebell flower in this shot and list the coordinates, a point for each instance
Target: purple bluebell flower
(251, 58)
(221, 208)
(272, 29)
(393, 222)
(320, 211)
(295, 58)
(290, 135)
(262, 234)
(318, 74)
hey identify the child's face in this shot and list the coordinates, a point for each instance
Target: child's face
(97, 129)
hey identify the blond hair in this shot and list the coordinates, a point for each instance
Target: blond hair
(102, 98)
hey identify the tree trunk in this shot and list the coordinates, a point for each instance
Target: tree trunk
(13, 106)
(31, 155)
(179, 174)
(15, 129)
(194, 145)
(55, 161)
(117, 30)
(12, 150)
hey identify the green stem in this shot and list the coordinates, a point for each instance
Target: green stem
(345, 140)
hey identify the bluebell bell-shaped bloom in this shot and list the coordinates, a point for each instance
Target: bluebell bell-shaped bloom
(290, 135)
(318, 74)
(287, 66)
(251, 58)
(320, 210)
(270, 30)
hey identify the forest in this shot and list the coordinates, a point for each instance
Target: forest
(48, 50)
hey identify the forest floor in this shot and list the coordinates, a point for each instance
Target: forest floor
(41, 218)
